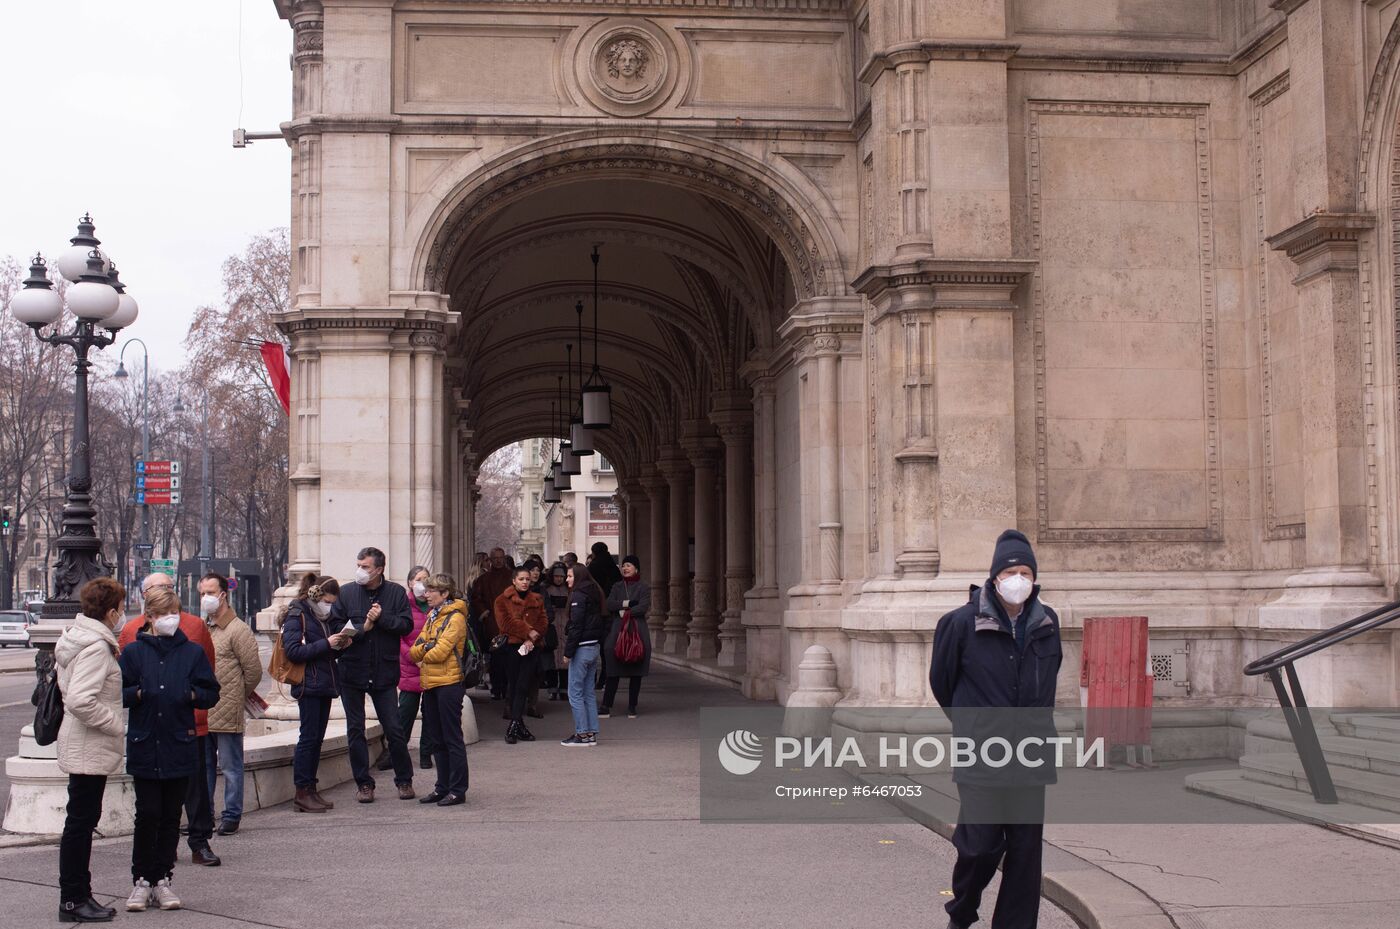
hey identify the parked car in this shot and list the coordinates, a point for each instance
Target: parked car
(14, 628)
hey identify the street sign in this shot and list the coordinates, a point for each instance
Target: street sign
(157, 497)
(144, 548)
(232, 584)
(163, 566)
(158, 467)
(158, 482)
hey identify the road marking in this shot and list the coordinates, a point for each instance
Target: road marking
(8, 706)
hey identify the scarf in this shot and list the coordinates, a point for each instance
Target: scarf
(627, 594)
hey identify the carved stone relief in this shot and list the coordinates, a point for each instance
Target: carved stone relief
(626, 67)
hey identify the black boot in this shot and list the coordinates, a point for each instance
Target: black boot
(523, 734)
(511, 734)
(85, 911)
(425, 762)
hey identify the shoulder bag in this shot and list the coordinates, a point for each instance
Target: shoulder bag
(48, 702)
(279, 666)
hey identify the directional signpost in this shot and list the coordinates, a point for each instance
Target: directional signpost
(163, 566)
(158, 483)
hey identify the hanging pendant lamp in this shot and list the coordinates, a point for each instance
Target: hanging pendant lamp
(596, 395)
(569, 463)
(551, 488)
(582, 439)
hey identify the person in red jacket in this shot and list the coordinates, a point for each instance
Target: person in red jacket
(199, 806)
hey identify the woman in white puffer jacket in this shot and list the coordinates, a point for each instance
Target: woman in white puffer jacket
(91, 741)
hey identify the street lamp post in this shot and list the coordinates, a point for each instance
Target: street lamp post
(143, 562)
(101, 307)
(205, 491)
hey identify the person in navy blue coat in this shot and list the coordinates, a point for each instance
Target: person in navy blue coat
(995, 662)
(165, 678)
(308, 641)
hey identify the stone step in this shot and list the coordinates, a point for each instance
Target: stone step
(1271, 737)
(1368, 726)
(1364, 788)
(1347, 818)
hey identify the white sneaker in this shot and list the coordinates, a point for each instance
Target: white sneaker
(140, 896)
(164, 896)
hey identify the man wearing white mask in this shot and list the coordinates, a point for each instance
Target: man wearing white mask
(995, 662)
(239, 671)
(375, 612)
(199, 807)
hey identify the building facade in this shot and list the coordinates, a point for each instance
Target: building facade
(878, 279)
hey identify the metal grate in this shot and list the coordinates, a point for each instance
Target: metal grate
(1162, 667)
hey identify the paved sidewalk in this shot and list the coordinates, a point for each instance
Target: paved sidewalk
(1232, 867)
(550, 837)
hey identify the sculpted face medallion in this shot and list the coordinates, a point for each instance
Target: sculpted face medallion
(625, 66)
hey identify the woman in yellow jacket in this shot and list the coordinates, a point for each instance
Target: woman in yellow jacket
(436, 652)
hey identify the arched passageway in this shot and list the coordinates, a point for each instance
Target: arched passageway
(715, 310)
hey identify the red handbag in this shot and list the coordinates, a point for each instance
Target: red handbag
(629, 648)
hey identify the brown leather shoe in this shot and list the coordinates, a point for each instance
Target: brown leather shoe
(328, 804)
(406, 792)
(306, 802)
(365, 794)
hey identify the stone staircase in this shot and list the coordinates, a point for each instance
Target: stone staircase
(1363, 757)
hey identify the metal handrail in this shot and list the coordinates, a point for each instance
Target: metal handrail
(1324, 639)
(1279, 664)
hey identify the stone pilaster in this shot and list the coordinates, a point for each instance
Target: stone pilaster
(676, 470)
(703, 448)
(733, 418)
(657, 569)
(945, 437)
(824, 330)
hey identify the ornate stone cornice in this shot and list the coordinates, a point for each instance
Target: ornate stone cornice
(1286, 6)
(923, 52)
(1325, 241)
(933, 283)
(700, 442)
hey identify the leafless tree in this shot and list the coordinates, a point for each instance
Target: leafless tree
(498, 511)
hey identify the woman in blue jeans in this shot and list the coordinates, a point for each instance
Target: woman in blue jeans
(583, 638)
(307, 641)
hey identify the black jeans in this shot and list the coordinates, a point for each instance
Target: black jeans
(982, 843)
(386, 707)
(442, 721)
(199, 806)
(521, 670)
(315, 715)
(157, 832)
(75, 848)
(409, 701)
(634, 690)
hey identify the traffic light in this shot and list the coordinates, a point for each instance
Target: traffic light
(5, 517)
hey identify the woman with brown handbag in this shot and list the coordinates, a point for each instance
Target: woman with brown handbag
(308, 642)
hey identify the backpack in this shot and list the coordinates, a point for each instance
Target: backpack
(48, 702)
(279, 667)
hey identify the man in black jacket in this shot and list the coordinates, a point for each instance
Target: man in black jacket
(377, 613)
(995, 660)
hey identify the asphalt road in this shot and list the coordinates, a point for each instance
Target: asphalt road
(15, 713)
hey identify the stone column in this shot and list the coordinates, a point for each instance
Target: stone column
(423, 448)
(305, 429)
(766, 486)
(827, 346)
(704, 450)
(676, 470)
(635, 541)
(1324, 97)
(734, 420)
(656, 570)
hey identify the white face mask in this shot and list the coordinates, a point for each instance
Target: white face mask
(419, 590)
(361, 576)
(1015, 588)
(208, 604)
(321, 608)
(166, 625)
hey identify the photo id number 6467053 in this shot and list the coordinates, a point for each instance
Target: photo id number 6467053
(887, 790)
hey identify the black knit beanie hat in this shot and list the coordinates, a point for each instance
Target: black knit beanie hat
(1012, 548)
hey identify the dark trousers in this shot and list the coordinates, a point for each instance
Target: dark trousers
(409, 701)
(157, 832)
(199, 805)
(386, 707)
(75, 848)
(521, 670)
(983, 843)
(442, 721)
(498, 663)
(315, 715)
(634, 690)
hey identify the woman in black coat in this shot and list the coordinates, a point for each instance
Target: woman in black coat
(165, 678)
(630, 598)
(308, 641)
(583, 641)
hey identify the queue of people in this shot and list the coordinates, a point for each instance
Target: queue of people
(167, 691)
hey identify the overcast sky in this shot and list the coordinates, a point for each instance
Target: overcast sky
(126, 109)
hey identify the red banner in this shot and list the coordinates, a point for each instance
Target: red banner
(279, 372)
